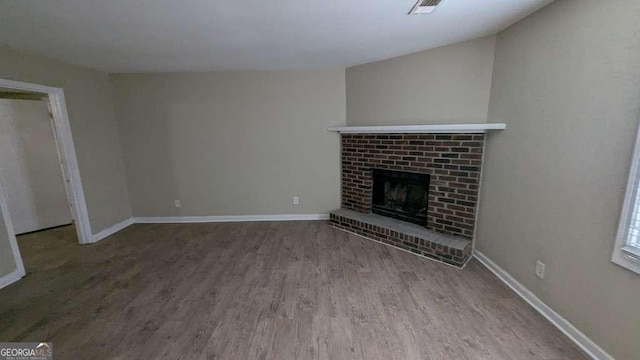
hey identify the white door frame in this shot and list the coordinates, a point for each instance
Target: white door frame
(12, 241)
(67, 150)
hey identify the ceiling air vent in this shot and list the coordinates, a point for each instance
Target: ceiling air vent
(424, 7)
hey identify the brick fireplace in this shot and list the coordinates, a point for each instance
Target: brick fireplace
(452, 162)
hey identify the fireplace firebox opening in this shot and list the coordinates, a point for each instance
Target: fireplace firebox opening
(401, 195)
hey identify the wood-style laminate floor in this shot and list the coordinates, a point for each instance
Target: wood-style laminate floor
(270, 290)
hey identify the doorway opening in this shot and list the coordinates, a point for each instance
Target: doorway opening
(31, 169)
(40, 184)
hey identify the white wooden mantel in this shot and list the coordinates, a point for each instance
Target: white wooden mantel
(419, 129)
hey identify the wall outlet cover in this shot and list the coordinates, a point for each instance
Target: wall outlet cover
(540, 269)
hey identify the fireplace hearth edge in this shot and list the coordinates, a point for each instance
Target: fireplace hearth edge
(450, 249)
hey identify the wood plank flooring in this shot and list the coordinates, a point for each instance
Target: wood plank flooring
(268, 290)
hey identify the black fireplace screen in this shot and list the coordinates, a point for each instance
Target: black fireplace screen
(401, 195)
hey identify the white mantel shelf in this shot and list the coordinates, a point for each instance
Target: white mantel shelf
(419, 129)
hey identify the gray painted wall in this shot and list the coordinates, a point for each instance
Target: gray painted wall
(93, 126)
(566, 82)
(231, 143)
(450, 84)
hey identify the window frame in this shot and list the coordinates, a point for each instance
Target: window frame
(621, 254)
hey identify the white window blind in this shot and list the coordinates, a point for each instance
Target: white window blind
(626, 251)
(633, 231)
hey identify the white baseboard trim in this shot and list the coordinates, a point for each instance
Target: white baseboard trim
(10, 278)
(581, 340)
(230, 218)
(202, 219)
(111, 230)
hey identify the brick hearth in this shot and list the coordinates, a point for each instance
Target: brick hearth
(454, 250)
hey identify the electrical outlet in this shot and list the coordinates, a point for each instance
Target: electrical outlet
(540, 269)
(296, 200)
(178, 203)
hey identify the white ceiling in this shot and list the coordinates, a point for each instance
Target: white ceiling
(193, 35)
